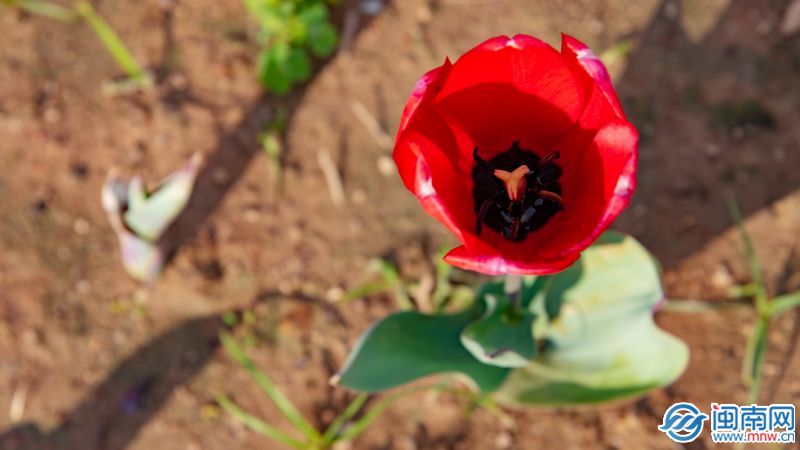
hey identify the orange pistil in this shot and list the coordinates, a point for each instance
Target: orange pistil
(515, 181)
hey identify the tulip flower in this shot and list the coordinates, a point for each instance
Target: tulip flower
(521, 151)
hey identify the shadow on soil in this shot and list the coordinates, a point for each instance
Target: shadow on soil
(111, 415)
(714, 120)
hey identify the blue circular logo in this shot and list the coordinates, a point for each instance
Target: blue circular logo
(683, 422)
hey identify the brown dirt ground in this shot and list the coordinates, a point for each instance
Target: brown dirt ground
(76, 333)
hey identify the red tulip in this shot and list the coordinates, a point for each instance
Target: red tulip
(523, 152)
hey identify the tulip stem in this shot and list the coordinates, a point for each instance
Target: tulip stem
(513, 290)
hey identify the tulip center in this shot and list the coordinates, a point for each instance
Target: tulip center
(516, 192)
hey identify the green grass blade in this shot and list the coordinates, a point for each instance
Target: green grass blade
(443, 289)
(256, 424)
(401, 297)
(755, 267)
(365, 290)
(785, 303)
(46, 9)
(697, 306)
(755, 355)
(365, 421)
(281, 402)
(113, 43)
(748, 290)
(392, 278)
(335, 427)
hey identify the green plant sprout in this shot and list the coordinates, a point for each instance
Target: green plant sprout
(291, 31)
(345, 427)
(766, 307)
(445, 290)
(753, 295)
(272, 142)
(137, 78)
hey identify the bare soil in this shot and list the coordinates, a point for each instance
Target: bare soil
(711, 84)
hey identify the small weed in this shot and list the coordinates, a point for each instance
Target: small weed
(291, 32)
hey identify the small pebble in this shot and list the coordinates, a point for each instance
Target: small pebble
(764, 27)
(721, 278)
(83, 286)
(503, 441)
(81, 226)
(52, 115)
(220, 176)
(671, 10)
(359, 197)
(334, 294)
(385, 166)
(252, 215)
(371, 7)
(790, 23)
(712, 150)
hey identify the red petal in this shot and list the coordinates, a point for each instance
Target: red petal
(597, 187)
(580, 57)
(427, 87)
(617, 148)
(443, 190)
(495, 264)
(574, 144)
(419, 115)
(512, 89)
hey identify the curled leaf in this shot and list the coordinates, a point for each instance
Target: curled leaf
(139, 218)
(503, 337)
(604, 344)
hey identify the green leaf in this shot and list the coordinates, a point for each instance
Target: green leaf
(604, 345)
(322, 39)
(280, 66)
(272, 68)
(149, 215)
(785, 303)
(298, 66)
(503, 337)
(761, 297)
(313, 14)
(409, 345)
(754, 358)
(308, 18)
(45, 8)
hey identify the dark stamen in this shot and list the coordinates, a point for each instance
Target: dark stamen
(478, 158)
(488, 203)
(516, 192)
(548, 159)
(552, 196)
